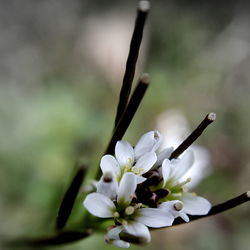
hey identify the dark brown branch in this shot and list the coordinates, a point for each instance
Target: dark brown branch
(218, 208)
(69, 197)
(132, 59)
(58, 239)
(194, 135)
(132, 239)
(128, 115)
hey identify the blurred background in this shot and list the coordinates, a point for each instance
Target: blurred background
(61, 68)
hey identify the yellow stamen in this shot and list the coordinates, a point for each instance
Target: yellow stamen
(185, 182)
(129, 210)
(116, 215)
(124, 223)
(135, 170)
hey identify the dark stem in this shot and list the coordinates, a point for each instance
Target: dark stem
(58, 239)
(194, 135)
(132, 239)
(128, 115)
(69, 197)
(131, 60)
(218, 208)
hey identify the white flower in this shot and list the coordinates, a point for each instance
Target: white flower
(172, 172)
(175, 128)
(189, 204)
(138, 160)
(150, 141)
(132, 218)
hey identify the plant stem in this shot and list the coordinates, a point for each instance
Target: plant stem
(58, 239)
(128, 115)
(69, 197)
(135, 43)
(194, 135)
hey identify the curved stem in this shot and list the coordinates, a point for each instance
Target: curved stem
(70, 197)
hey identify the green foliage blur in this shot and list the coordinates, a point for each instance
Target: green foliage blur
(58, 102)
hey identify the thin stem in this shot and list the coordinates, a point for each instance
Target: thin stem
(245, 197)
(128, 115)
(69, 198)
(194, 135)
(135, 43)
(132, 239)
(58, 239)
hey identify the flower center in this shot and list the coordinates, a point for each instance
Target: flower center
(123, 215)
(137, 171)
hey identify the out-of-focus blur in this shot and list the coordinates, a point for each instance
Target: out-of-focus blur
(61, 69)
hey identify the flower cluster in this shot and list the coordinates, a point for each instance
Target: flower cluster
(141, 188)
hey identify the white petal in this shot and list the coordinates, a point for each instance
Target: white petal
(109, 164)
(138, 229)
(146, 162)
(113, 233)
(184, 216)
(148, 142)
(126, 188)
(114, 238)
(99, 205)
(155, 217)
(168, 206)
(121, 243)
(166, 168)
(165, 154)
(181, 166)
(140, 179)
(108, 189)
(124, 153)
(195, 205)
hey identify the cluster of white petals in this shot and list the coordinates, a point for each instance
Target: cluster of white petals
(116, 191)
(134, 218)
(137, 160)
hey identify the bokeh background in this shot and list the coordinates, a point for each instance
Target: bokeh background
(61, 67)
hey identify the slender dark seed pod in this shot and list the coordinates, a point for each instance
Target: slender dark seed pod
(194, 135)
(128, 115)
(58, 239)
(245, 197)
(135, 43)
(69, 197)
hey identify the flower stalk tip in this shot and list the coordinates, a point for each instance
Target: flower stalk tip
(145, 78)
(211, 116)
(144, 6)
(193, 136)
(248, 194)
